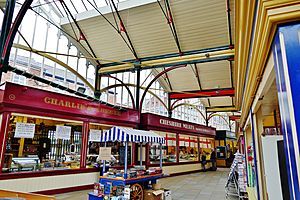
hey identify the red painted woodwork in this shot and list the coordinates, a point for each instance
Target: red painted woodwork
(194, 94)
(32, 99)
(198, 149)
(177, 148)
(3, 132)
(84, 144)
(161, 123)
(234, 117)
(27, 100)
(6, 176)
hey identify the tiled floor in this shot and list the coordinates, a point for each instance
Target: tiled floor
(197, 186)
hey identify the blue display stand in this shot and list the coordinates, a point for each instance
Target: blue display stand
(130, 181)
(127, 135)
(94, 197)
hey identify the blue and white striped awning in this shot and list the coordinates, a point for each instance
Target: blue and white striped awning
(121, 134)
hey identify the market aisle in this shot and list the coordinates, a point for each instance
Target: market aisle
(197, 186)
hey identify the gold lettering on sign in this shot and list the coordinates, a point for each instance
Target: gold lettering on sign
(47, 100)
(68, 104)
(61, 103)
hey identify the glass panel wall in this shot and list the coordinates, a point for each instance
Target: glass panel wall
(168, 149)
(39, 143)
(188, 148)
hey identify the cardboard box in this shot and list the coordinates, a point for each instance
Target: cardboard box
(127, 193)
(167, 195)
(153, 194)
(156, 186)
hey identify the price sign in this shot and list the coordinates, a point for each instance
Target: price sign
(24, 130)
(105, 153)
(192, 144)
(181, 143)
(95, 135)
(63, 132)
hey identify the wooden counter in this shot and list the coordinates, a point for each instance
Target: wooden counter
(29, 196)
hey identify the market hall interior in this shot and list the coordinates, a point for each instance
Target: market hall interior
(149, 99)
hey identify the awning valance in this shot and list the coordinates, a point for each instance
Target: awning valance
(131, 135)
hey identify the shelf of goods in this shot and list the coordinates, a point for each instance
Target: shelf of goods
(236, 182)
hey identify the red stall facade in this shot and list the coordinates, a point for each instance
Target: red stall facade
(49, 140)
(185, 142)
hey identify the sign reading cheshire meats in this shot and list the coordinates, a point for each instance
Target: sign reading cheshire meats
(24, 96)
(159, 122)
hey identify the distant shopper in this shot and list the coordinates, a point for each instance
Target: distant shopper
(213, 160)
(203, 161)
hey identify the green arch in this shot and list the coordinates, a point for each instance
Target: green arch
(191, 105)
(133, 85)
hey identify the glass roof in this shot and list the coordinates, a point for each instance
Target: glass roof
(41, 30)
(74, 7)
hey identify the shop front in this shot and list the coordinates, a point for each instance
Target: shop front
(185, 143)
(225, 143)
(269, 96)
(50, 142)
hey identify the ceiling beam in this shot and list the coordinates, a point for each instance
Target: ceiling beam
(169, 55)
(203, 93)
(125, 31)
(229, 22)
(234, 117)
(170, 22)
(222, 109)
(105, 10)
(61, 87)
(171, 19)
(168, 80)
(82, 35)
(198, 76)
(181, 60)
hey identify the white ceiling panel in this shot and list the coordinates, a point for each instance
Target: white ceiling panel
(183, 79)
(199, 24)
(104, 40)
(220, 101)
(232, 19)
(214, 75)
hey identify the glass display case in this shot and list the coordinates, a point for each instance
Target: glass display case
(25, 164)
(35, 144)
(168, 149)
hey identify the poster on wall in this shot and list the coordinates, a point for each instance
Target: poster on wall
(171, 143)
(192, 144)
(95, 135)
(105, 153)
(181, 143)
(63, 132)
(186, 143)
(24, 130)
